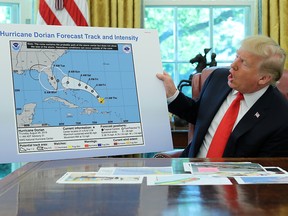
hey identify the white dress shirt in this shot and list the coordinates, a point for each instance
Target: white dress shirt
(245, 105)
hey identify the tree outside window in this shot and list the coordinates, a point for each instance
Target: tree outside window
(185, 31)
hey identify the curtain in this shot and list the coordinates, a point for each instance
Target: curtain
(115, 13)
(274, 22)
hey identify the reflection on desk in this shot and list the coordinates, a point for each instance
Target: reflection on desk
(32, 190)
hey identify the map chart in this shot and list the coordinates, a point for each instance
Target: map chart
(71, 96)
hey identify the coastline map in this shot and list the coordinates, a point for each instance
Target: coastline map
(71, 96)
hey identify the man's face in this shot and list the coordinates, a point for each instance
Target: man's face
(245, 72)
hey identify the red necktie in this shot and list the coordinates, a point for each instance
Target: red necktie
(224, 129)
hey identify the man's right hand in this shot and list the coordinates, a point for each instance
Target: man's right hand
(169, 85)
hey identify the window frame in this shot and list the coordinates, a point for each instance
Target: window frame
(251, 4)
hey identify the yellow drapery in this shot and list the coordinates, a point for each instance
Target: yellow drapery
(274, 22)
(115, 13)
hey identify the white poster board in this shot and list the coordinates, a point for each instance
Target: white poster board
(71, 92)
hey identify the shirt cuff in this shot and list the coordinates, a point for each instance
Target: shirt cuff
(173, 97)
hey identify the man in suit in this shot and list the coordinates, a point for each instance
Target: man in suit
(261, 127)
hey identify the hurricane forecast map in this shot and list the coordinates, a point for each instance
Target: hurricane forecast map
(71, 96)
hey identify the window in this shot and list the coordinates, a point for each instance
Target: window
(186, 28)
(9, 13)
(17, 11)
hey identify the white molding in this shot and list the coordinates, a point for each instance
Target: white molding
(199, 2)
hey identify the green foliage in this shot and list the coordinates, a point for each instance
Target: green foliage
(186, 31)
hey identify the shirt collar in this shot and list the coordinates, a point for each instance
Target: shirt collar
(251, 98)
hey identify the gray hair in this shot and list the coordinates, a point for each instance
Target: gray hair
(273, 55)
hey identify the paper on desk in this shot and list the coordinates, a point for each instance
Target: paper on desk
(187, 179)
(142, 171)
(274, 175)
(188, 165)
(228, 169)
(275, 171)
(95, 178)
(280, 179)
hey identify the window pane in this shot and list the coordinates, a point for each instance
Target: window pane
(9, 13)
(5, 14)
(170, 69)
(162, 19)
(185, 70)
(187, 30)
(228, 31)
(193, 32)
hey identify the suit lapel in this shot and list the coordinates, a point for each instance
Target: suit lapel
(212, 105)
(255, 114)
(208, 108)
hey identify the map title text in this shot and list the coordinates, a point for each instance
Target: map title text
(68, 36)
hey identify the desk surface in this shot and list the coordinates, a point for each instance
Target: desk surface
(32, 190)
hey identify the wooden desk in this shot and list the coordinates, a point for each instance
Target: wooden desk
(32, 190)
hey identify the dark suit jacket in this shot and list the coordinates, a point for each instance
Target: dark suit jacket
(262, 132)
